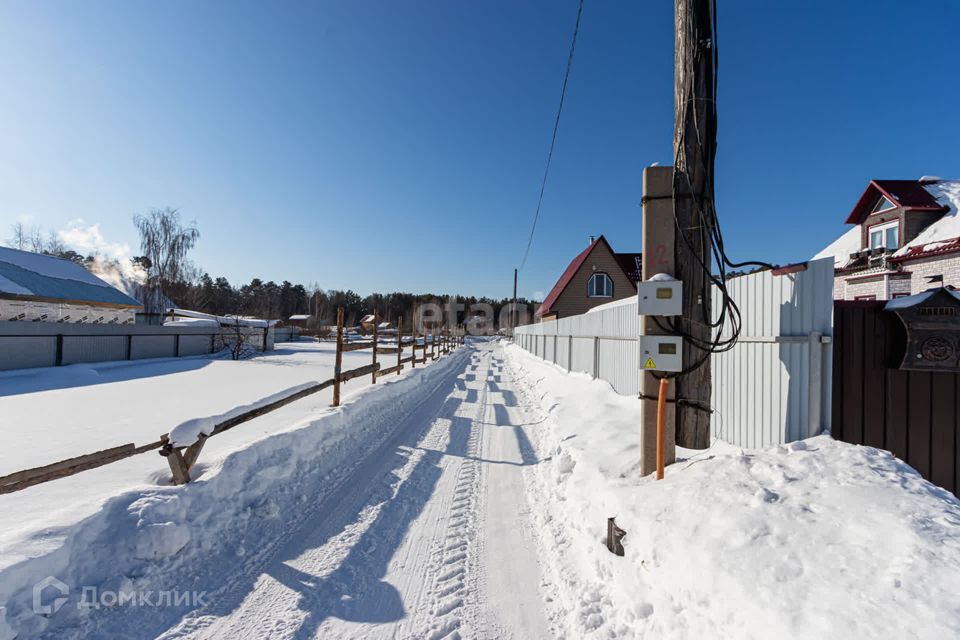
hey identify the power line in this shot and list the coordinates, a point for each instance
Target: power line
(553, 139)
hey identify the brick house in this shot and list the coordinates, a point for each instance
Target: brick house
(905, 239)
(596, 276)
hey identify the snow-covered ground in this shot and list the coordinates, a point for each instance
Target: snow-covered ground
(401, 514)
(817, 539)
(50, 414)
(469, 499)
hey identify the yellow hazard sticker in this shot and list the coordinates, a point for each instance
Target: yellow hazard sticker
(649, 364)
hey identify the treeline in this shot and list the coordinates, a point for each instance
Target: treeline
(280, 301)
(162, 276)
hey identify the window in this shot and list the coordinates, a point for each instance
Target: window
(600, 286)
(883, 205)
(885, 236)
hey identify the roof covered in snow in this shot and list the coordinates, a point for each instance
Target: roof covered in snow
(33, 275)
(943, 236)
(300, 316)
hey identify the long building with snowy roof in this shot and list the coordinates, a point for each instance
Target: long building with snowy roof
(40, 288)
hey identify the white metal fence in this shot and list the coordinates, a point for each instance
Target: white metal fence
(772, 387)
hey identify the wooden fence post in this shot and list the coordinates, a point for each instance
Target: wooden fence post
(339, 359)
(373, 376)
(413, 336)
(399, 344)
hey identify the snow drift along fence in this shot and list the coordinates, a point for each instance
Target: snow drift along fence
(182, 458)
(773, 387)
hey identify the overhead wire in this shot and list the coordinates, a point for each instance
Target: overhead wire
(553, 137)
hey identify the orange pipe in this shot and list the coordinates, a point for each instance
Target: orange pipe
(661, 410)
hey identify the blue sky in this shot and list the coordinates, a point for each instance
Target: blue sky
(389, 145)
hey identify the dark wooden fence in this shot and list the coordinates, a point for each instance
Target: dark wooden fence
(915, 415)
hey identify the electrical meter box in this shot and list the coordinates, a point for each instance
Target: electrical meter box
(661, 353)
(660, 297)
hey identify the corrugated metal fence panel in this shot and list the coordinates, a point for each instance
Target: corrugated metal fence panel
(27, 352)
(761, 388)
(582, 360)
(618, 365)
(93, 348)
(570, 343)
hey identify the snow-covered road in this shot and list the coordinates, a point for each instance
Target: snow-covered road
(427, 538)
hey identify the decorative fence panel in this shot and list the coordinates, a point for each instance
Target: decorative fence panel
(773, 387)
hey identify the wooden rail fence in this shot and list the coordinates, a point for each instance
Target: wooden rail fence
(181, 459)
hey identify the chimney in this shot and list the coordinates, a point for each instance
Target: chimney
(592, 239)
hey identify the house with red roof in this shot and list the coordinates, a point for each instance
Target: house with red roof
(904, 239)
(597, 275)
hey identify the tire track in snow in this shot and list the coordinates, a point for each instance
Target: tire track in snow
(450, 612)
(340, 519)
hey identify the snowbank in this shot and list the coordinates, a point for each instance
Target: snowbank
(817, 539)
(157, 539)
(186, 433)
(947, 193)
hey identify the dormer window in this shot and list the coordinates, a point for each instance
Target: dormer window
(600, 286)
(885, 236)
(883, 205)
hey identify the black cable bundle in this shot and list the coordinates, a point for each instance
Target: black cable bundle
(708, 232)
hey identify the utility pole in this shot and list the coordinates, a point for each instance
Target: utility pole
(694, 143)
(659, 239)
(513, 307)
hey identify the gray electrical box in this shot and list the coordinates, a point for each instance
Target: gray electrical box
(661, 353)
(660, 298)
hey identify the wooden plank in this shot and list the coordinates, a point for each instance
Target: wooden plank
(897, 418)
(853, 372)
(357, 346)
(389, 370)
(192, 452)
(399, 344)
(376, 322)
(362, 371)
(918, 429)
(874, 404)
(273, 406)
(389, 350)
(942, 430)
(97, 458)
(91, 462)
(839, 337)
(338, 361)
(178, 467)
